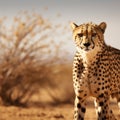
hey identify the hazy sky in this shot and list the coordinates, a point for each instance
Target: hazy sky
(78, 11)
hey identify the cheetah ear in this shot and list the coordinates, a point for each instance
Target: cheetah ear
(103, 26)
(73, 25)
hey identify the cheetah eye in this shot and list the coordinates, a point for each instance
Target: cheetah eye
(80, 34)
(94, 34)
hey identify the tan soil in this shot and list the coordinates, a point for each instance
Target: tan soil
(59, 112)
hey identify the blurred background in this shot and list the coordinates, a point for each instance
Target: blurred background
(37, 48)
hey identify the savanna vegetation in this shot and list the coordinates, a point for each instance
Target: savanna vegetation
(34, 64)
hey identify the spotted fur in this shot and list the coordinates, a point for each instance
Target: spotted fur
(96, 70)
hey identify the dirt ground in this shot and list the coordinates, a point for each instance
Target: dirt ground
(59, 112)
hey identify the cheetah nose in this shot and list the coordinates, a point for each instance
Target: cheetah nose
(87, 44)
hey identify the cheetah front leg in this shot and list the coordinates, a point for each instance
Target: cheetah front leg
(80, 108)
(118, 99)
(103, 110)
(119, 105)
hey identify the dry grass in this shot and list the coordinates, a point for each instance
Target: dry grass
(31, 61)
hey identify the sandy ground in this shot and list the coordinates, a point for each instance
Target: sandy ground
(59, 112)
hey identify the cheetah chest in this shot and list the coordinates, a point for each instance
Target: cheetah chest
(95, 75)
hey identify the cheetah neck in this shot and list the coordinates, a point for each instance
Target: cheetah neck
(89, 57)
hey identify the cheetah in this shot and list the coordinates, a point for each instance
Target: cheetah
(96, 70)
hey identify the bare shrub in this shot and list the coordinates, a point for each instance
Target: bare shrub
(29, 55)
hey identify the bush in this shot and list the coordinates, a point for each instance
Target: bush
(29, 55)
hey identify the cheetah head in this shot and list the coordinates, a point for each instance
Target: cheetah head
(89, 36)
